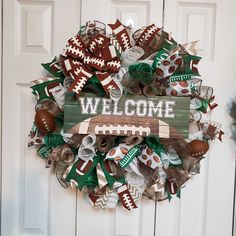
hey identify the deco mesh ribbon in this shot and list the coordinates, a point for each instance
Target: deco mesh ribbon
(114, 168)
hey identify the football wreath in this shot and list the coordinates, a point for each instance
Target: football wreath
(123, 115)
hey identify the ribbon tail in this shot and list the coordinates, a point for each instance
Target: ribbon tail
(126, 197)
(102, 181)
(80, 81)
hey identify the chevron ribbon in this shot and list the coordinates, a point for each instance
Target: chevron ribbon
(103, 200)
(102, 181)
(135, 193)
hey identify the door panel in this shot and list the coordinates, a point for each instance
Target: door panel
(138, 13)
(206, 203)
(33, 202)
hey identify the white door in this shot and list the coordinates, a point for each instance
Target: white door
(33, 203)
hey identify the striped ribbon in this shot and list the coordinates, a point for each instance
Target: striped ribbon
(101, 176)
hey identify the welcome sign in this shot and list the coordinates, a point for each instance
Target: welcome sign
(132, 115)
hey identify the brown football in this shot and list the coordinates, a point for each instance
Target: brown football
(198, 148)
(44, 121)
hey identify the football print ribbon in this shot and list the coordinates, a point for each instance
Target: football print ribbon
(97, 58)
(80, 172)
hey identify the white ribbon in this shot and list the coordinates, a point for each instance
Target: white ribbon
(131, 55)
(171, 157)
(87, 150)
(58, 93)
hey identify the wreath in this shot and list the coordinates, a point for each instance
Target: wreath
(123, 115)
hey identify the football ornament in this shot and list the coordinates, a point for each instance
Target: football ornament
(198, 148)
(44, 121)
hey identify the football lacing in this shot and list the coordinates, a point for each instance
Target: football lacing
(45, 124)
(94, 60)
(100, 40)
(77, 42)
(97, 61)
(80, 84)
(128, 201)
(150, 32)
(76, 51)
(125, 41)
(77, 63)
(77, 71)
(111, 87)
(114, 64)
(142, 131)
(92, 46)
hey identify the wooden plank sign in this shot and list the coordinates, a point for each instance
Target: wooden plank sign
(166, 117)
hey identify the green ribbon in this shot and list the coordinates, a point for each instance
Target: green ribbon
(110, 179)
(53, 140)
(178, 194)
(187, 62)
(204, 105)
(133, 152)
(176, 78)
(47, 66)
(92, 180)
(39, 89)
(153, 142)
(82, 29)
(193, 88)
(96, 84)
(50, 141)
(169, 45)
(141, 72)
(169, 196)
(161, 55)
(85, 179)
(44, 151)
(89, 179)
